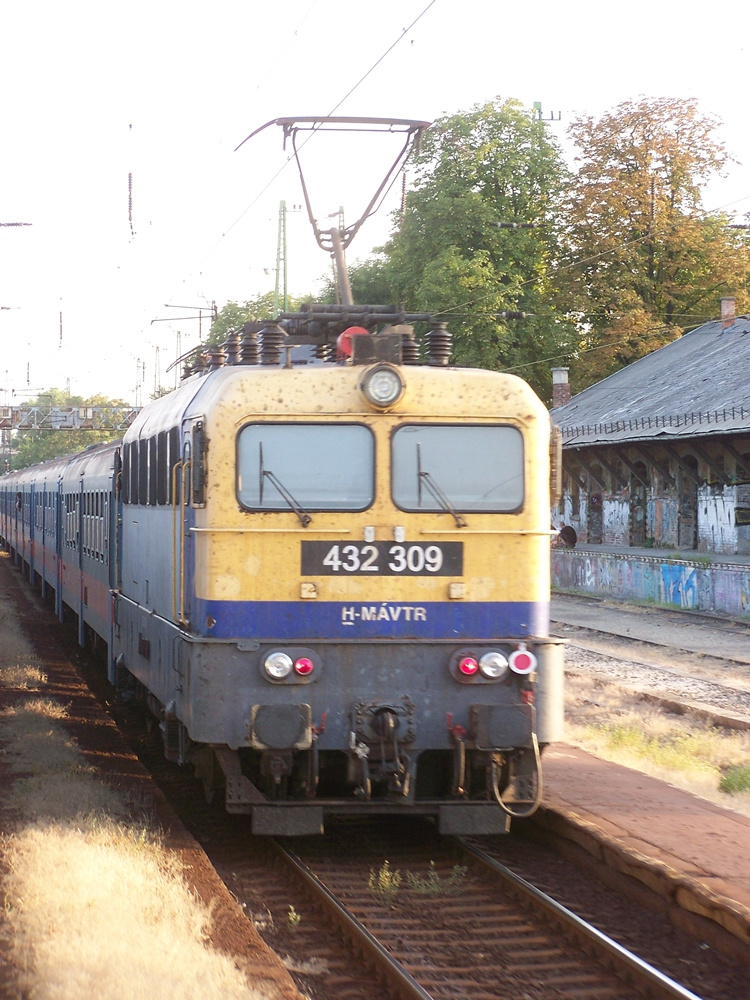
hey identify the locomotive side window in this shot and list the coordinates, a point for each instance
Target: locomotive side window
(162, 466)
(143, 471)
(466, 468)
(133, 468)
(306, 466)
(125, 475)
(152, 480)
(200, 448)
(174, 458)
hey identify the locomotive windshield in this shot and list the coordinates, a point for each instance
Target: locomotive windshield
(306, 467)
(458, 468)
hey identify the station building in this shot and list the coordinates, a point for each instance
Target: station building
(656, 484)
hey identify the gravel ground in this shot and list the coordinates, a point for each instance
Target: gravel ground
(655, 679)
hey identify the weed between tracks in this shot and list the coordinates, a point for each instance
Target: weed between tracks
(385, 883)
(690, 753)
(93, 905)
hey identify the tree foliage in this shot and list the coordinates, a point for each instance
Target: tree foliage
(621, 259)
(478, 237)
(33, 446)
(643, 260)
(606, 263)
(233, 315)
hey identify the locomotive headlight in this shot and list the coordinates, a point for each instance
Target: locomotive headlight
(493, 665)
(382, 386)
(278, 666)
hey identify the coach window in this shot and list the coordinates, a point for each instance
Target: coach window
(105, 528)
(312, 466)
(470, 468)
(85, 523)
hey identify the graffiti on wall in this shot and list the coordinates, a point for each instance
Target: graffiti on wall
(662, 521)
(616, 521)
(685, 584)
(680, 585)
(716, 522)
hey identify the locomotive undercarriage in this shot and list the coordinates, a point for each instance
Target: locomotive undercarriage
(290, 791)
(292, 754)
(291, 795)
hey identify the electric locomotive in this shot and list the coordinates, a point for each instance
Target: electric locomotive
(329, 581)
(327, 556)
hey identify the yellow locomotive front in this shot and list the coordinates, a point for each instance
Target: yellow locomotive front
(366, 586)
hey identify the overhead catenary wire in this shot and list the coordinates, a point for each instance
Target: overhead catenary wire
(285, 164)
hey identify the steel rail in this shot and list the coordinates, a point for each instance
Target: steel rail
(639, 972)
(398, 978)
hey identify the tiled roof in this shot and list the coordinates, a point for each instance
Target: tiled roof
(696, 386)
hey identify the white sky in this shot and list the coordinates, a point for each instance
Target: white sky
(166, 89)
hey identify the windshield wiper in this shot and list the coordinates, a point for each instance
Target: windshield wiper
(301, 513)
(434, 489)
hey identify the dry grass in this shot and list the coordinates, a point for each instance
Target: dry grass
(23, 676)
(110, 917)
(685, 751)
(93, 904)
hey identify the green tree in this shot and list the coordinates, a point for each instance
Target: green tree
(477, 238)
(41, 445)
(643, 260)
(233, 315)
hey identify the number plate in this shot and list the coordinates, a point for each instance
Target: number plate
(382, 558)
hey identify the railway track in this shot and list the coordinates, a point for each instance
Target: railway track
(659, 661)
(450, 923)
(462, 925)
(330, 914)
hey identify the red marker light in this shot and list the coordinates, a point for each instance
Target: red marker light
(468, 666)
(304, 666)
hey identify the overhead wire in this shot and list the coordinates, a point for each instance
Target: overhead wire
(453, 309)
(285, 164)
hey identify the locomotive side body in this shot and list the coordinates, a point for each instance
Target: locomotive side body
(332, 605)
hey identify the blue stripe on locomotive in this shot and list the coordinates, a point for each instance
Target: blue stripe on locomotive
(292, 620)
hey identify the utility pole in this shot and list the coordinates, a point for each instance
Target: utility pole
(282, 300)
(157, 373)
(340, 273)
(280, 260)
